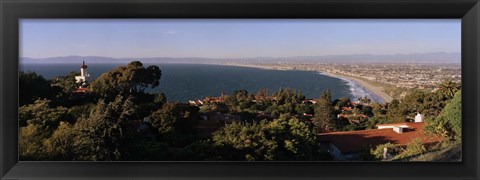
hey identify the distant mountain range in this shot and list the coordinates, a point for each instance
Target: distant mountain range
(434, 57)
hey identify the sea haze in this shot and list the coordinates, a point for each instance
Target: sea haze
(183, 82)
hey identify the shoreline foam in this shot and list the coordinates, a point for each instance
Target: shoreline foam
(372, 88)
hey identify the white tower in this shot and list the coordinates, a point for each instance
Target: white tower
(83, 78)
(419, 117)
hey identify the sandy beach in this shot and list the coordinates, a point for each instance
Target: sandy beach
(374, 89)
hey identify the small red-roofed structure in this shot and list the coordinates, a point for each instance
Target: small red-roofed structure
(348, 144)
(347, 109)
(82, 90)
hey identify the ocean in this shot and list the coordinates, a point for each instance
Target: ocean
(183, 82)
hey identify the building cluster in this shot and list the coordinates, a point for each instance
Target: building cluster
(405, 75)
(421, 76)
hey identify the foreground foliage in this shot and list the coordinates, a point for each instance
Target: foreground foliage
(121, 120)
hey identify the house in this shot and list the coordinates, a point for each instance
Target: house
(82, 90)
(213, 121)
(347, 109)
(195, 102)
(309, 101)
(350, 144)
(213, 99)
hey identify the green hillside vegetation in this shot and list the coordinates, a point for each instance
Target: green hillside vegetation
(119, 119)
(447, 124)
(450, 153)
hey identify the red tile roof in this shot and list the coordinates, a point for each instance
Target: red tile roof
(354, 141)
(82, 90)
(397, 124)
(363, 115)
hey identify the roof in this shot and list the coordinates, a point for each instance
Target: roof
(354, 141)
(363, 115)
(82, 90)
(398, 124)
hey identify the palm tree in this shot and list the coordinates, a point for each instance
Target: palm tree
(448, 88)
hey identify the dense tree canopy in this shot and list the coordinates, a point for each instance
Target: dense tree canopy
(66, 84)
(106, 134)
(449, 123)
(174, 118)
(130, 79)
(33, 87)
(280, 139)
(448, 88)
(123, 121)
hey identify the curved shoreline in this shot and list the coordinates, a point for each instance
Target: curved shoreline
(372, 88)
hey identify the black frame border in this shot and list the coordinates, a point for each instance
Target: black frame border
(12, 10)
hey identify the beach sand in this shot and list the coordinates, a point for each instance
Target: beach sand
(374, 89)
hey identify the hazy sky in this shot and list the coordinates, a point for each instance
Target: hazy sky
(234, 38)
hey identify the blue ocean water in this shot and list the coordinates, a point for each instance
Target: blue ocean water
(183, 82)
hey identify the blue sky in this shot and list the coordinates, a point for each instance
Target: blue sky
(209, 38)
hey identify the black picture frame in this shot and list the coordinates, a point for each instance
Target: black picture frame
(13, 10)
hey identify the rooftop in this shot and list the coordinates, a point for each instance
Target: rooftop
(354, 141)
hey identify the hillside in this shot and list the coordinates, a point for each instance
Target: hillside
(451, 153)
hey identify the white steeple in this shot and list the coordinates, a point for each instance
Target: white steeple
(83, 74)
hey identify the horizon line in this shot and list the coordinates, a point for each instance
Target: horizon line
(251, 57)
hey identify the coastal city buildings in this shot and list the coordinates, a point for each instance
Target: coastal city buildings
(403, 75)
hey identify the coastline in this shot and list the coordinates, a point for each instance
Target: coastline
(372, 88)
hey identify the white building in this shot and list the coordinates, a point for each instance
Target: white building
(83, 78)
(419, 117)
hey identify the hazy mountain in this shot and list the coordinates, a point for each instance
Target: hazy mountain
(435, 57)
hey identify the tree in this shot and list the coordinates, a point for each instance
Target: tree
(104, 136)
(342, 102)
(324, 114)
(365, 100)
(286, 138)
(367, 110)
(59, 146)
(326, 95)
(130, 79)
(394, 113)
(37, 122)
(356, 111)
(32, 87)
(41, 114)
(30, 146)
(378, 151)
(174, 118)
(378, 109)
(261, 95)
(415, 147)
(240, 95)
(377, 119)
(449, 123)
(448, 88)
(66, 84)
